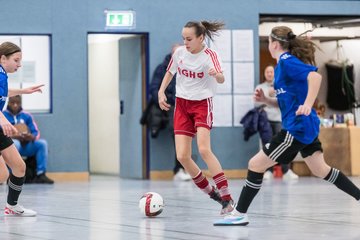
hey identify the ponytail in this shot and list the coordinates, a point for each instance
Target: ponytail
(205, 28)
(299, 46)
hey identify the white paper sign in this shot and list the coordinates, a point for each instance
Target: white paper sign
(243, 78)
(223, 116)
(243, 45)
(227, 85)
(242, 104)
(222, 44)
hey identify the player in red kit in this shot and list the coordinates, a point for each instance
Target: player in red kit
(198, 71)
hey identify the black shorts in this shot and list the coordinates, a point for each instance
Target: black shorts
(5, 141)
(283, 148)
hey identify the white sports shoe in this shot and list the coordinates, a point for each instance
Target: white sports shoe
(234, 218)
(19, 211)
(181, 175)
(227, 207)
(290, 175)
(268, 175)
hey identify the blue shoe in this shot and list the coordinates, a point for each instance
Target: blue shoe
(233, 219)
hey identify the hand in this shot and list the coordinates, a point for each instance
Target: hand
(212, 72)
(7, 127)
(303, 110)
(272, 92)
(162, 102)
(27, 137)
(259, 95)
(33, 89)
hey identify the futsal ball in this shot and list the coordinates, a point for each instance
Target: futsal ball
(151, 204)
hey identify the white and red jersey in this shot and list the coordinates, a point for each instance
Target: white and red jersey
(192, 79)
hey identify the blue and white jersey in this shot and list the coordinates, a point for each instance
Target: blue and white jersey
(3, 87)
(291, 87)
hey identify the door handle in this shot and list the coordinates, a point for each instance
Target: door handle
(121, 107)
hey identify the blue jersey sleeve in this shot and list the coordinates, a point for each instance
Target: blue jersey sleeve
(3, 85)
(297, 70)
(9, 117)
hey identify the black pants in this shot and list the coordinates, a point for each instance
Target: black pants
(276, 128)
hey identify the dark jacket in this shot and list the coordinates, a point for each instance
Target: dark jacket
(255, 121)
(157, 79)
(154, 118)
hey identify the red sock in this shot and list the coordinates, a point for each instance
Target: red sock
(202, 183)
(222, 185)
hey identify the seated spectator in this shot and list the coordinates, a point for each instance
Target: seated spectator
(28, 141)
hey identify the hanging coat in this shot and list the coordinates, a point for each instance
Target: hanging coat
(155, 118)
(255, 121)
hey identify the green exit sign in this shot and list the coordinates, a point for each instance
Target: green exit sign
(120, 19)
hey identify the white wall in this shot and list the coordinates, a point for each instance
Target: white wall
(298, 28)
(35, 49)
(104, 109)
(349, 49)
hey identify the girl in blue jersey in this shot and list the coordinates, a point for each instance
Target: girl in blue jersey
(296, 84)
(10, 61)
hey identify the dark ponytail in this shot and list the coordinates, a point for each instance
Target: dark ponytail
(299, 46)
(205, 28)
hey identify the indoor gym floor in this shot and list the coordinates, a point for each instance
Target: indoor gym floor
(106, 208)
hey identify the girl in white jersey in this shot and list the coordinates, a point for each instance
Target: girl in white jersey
(198, 71)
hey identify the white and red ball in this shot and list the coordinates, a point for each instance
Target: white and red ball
(151, 204)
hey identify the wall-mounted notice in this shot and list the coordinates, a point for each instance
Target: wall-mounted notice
(223, 111)
(243, 45)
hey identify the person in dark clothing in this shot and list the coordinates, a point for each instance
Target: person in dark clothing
(179, 172)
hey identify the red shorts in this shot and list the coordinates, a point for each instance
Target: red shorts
(191, 114)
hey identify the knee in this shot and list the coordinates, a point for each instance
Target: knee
(321, 172)
(19, 169)
(42, 143)
(182, 158)
(252, 164)
(22, 168)
(256, 166)
(317, 165)
(204, 152)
